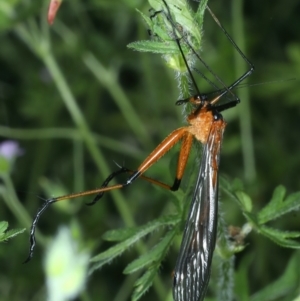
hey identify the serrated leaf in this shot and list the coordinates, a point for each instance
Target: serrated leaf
(184, 16)
(118, 249)
(156, 4)
(276, 200)
(9, 234)
(108, 255)
(278, 206)
(281, 237)
(158, 26)
(156, 254)
(125, 233)
(154, 47)
(119, 234)
(143, 284)
(3, 226)
(199, 16)
(146, 18)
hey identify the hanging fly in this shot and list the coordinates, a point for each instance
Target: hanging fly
(206, 125)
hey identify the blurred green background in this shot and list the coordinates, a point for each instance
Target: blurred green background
(77, 99)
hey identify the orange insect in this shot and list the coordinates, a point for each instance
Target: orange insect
(206, 125)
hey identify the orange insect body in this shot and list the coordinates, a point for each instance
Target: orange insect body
(200, 124)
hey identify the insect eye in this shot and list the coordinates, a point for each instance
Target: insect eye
(217, 116)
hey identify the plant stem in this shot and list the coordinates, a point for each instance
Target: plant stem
(244, 107)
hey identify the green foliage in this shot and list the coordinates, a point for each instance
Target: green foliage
(128, 238)
(279, 206)
(177, 21)
(76, 100)
(151, 261)
(161, 26)
(275, 208)
(5, 235)
(226, 249)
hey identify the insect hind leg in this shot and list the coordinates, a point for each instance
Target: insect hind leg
(121, 170)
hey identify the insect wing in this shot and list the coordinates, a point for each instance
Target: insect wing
(192, 271)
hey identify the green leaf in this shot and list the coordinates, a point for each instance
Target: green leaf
(143, 284)
(119, 234)
(154, 255)
(125, 233)
(154, 47)
(157, 29)
(278, 206)
(232, 188)
(9, 234)
(281, 237)
(108, 255)
(199, 16)
(177, 18)
(146, 18)
(288, 283)
(3, 227)
(245, 201)
(278, 236)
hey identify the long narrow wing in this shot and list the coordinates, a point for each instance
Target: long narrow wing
(192, 271)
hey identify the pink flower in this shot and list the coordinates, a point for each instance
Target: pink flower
(10, 149)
